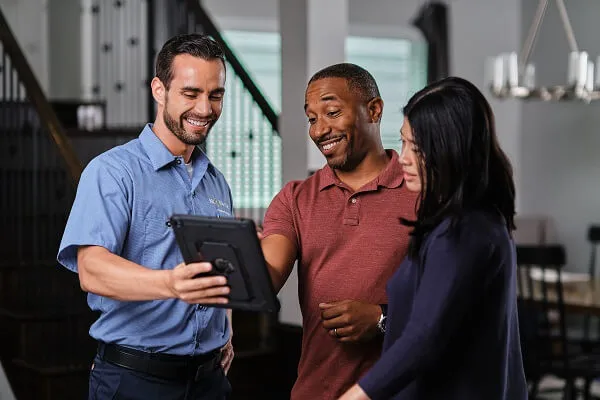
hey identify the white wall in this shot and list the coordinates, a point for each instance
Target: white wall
(560, 141)
(263, 14)
(65, 58)
(41, 25)
(260, 15)
(480, 29)
(28, 20)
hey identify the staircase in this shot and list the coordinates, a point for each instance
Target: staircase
(45, 348)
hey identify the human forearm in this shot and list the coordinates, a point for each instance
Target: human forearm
(277, 278)
(106, 274)
(280, 254)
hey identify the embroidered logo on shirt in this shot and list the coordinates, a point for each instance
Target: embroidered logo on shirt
(217, 202)
(221, 207)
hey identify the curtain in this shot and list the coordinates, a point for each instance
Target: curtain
(432, 21)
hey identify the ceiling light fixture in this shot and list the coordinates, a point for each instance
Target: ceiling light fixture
(512, 76)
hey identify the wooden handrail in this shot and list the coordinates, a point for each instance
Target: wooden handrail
(210, 28)
(36, 96)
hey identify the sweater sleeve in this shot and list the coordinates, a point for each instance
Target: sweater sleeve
(452, 275)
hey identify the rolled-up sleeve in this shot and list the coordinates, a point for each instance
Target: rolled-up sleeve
(100, 215)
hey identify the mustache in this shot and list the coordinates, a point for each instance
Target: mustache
(198, 117)
(330, 137)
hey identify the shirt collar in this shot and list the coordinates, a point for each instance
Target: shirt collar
(159, 154)
(390, 177)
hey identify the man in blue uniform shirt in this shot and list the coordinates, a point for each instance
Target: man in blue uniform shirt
(155, 341)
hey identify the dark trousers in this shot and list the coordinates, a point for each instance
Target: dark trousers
(111, 382)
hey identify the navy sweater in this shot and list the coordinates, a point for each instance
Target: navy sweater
(452, 330)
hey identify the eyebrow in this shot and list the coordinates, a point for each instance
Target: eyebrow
(219, 90)
(324, 99)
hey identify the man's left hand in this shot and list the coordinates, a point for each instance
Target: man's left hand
(350, 320)
(227, 356)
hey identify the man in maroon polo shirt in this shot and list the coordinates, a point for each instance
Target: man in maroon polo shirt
(343, 226)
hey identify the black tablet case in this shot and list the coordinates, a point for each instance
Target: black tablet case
(233, 247)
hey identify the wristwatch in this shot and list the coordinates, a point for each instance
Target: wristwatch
(383, 318)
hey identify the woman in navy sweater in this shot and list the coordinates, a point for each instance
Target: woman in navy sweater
(452, 330)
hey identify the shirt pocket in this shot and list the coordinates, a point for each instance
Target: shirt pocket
(158, 236)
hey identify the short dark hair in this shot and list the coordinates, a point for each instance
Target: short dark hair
(463, 165)
(359, 80)
(194, 44)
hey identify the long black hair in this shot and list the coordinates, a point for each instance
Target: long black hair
(463, 167)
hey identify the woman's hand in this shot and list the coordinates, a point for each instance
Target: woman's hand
(355, 393)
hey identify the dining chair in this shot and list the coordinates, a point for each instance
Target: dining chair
(546, 347)
(594, 239)
(591, 325)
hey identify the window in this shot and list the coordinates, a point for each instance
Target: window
(399, 67)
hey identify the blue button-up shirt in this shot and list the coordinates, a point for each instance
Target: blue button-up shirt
(124, 200)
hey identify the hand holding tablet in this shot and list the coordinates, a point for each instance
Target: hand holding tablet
(233, 248)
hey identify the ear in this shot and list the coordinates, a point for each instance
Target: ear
(158, 91)
(375, 109)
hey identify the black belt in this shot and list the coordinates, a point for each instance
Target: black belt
(165, 366)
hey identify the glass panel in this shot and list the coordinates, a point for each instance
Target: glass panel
(400, 68)
(259, 53)
(246, 149)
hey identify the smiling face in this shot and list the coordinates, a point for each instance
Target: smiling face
(410, 159)
(192, 103)
(341, 124)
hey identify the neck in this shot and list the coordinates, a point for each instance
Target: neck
(171, 142)
(368, 169)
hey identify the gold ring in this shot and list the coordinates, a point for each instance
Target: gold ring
(335, 333)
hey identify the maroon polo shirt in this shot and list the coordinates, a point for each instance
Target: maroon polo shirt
(349, 244)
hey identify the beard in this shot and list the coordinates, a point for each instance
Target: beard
(349, 160)
(347, 164)
(176, 127)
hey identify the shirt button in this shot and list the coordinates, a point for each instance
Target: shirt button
(177, 161)
(353, 201)
(193, 194)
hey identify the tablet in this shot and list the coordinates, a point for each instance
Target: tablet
(232, 246)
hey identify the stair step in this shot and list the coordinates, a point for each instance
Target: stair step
(39, 286)
(59, 340)
(68, 305)
(44, 315)
(43, 381)
(51, 369)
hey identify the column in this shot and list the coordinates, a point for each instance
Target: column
(313, 35)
